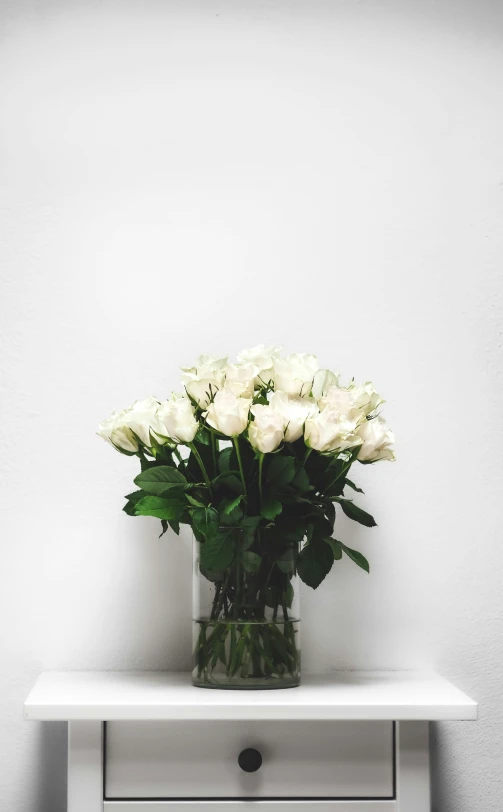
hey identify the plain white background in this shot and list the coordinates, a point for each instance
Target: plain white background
(179, 177)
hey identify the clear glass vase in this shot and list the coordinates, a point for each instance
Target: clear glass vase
(246, 615)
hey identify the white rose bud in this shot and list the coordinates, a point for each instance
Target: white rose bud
(228, 413)
(117, 434)
(266, 432)
(330, 432)
(294, 374)
(263, 358)
(366, 397)
(142, 419)
(204, 379)
(240, 379)
(377, 440)
(323, 379)
(176, 416)
(294, 412)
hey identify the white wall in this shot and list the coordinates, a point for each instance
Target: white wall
(178, 177)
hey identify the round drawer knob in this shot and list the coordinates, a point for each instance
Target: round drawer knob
(250, 760)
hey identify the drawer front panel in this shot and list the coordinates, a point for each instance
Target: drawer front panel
(187, 759)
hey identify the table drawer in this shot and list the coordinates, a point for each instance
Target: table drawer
(300, 759)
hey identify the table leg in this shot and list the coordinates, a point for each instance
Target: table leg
(85, 766)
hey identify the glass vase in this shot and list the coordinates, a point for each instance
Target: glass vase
(246, 615)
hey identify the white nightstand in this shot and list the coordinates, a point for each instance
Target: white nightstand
(348, 741)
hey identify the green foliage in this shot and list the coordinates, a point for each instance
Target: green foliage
(335, 547)
(251, 561)
(315, 562)
(160, 479)
(217, 551)
(271, 508)
(257, 530)
(159, 507)
(230, 505)
(227, 460)
(354, 555)
(352, 485)
(132, 500)
(281, 470)
(206, 521)
(287, 560)
(352, 511)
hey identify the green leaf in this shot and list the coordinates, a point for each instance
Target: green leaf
(329, 511)
(212, 575)
(251, 561)
(288, 595)
(247, 529)
(287, 560)
(170, 509)
(175, 526)
(355, 556)
(352, 511)
(217, 552)
(160, 479)
(301, 481)
(251, 522)
(271, 508)
(314, 563)
(206, 521)
(281, 470)
(132, 500)
(230, 504)
(224, 460)
(135, 496)
(233, 518)
(202, 436)
(352, 485)
(193, 501)
(291, 529)
(335, 547)
(230, 481)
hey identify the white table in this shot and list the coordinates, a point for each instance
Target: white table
(150, 742)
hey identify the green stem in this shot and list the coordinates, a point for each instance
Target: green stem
(341, 473)
(260, 466)
(201, 465)
(306, 455)
(214, 443)
(235, 441)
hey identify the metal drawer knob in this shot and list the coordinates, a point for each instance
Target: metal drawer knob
(250, 760)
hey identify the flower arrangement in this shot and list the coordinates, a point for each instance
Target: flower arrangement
(255, 456)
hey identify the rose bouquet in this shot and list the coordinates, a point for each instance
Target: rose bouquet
(255, 457)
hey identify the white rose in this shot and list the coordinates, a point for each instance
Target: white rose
(267, 430)
(344, 401)
(117, 434)
(228, 413)
(205, 362)
(204, 379)
(376, 441)
(176, 416)
(294, 374)
(142, 419)
(329, 431)
(294, 411)
(322, 380)
(366, 397)
(263, 358)
(240, 379)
